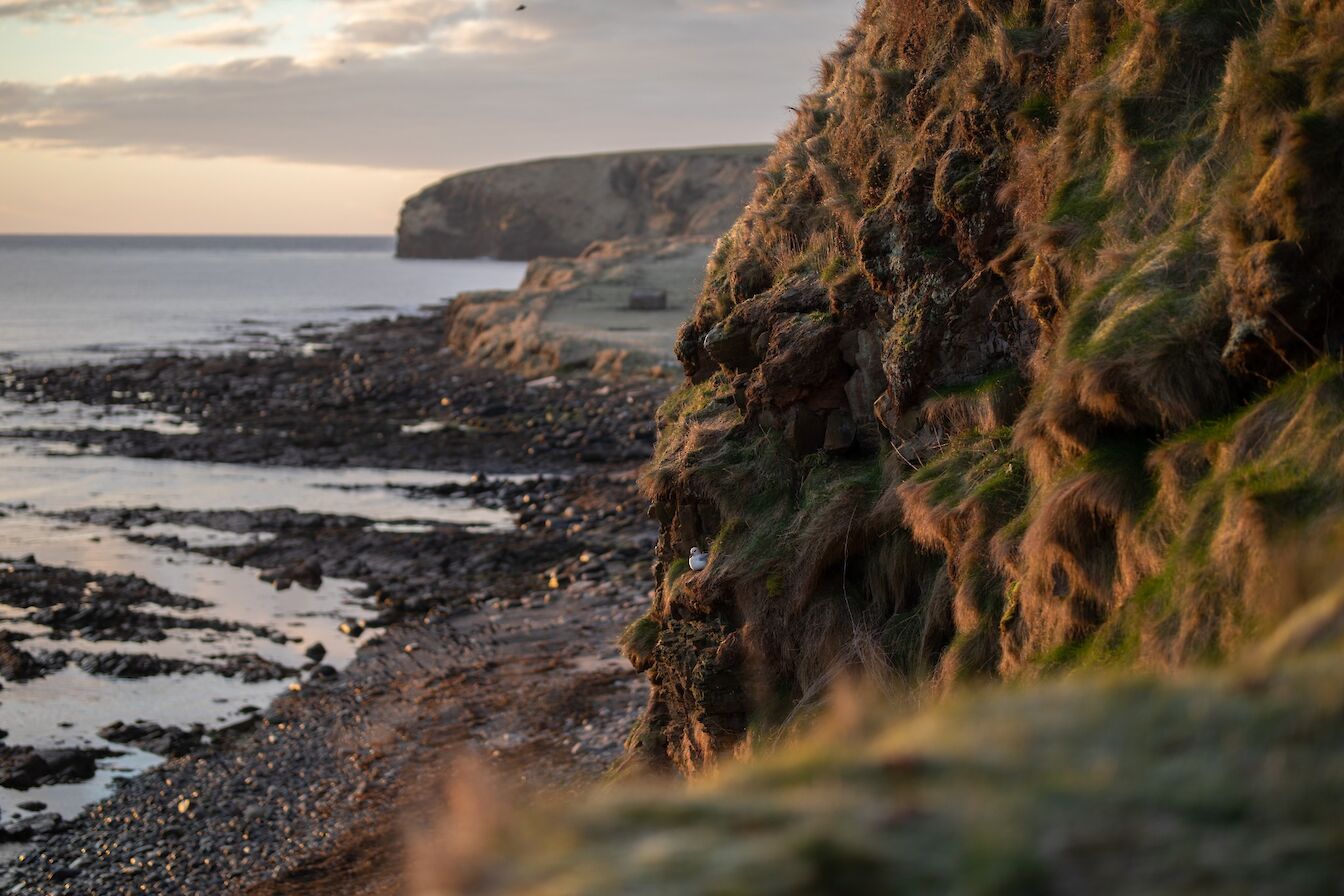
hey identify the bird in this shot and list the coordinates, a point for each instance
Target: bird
(699, 559)
(521, 7)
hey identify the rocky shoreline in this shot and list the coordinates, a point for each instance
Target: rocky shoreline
(499, 644)
(378, 394)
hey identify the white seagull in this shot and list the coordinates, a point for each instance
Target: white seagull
(699, 559)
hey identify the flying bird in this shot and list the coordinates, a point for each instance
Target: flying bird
(521, 7)
(699, 559)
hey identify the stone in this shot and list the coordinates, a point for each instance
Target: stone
(805, 430)
(648, 300)
(15, 664)
(731, 346)
(840, 430)
(46, 823)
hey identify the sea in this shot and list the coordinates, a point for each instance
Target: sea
(71, 299)
(77, 299)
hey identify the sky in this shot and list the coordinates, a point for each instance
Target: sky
(321, 116)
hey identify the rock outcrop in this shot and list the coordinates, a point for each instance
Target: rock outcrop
(557, 207)
(573, 314)
(1023, 357)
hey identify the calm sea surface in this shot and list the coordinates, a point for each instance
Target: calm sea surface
(92, 298)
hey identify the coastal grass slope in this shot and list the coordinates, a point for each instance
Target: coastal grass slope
(1023, 357)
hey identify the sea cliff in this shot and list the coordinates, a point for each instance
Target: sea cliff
(557, 207)
(1023, 357)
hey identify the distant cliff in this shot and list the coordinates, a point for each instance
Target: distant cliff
(558, 207)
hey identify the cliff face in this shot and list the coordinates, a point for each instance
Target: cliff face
(557, 207)
(1023, 357)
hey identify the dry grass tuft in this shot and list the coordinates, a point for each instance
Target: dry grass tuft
(1097, 784)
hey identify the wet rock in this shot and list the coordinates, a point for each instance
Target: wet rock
(25, 829)
(29, 584)
(67, 765)
(19, 665)
(250, 667)
(306, 573)
(316, 651)
(22, 768)
(98, 608)
(133, 665)
(171, 741)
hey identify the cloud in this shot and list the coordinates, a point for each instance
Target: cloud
(222, 36)
(235, 8)
(385, 32)
(376, 27)
(78, 10)
(71, 12)
(462, 85)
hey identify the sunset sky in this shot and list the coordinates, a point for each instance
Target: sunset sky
(320, 116)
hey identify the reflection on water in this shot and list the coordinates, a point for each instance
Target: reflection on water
(204, 537)
(54, 481)
(67, 800)
(233, 594)
(69, 416)
(38, 480)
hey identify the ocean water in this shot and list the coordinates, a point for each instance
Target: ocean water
(40, 479)
(93, 299)
(70, 299)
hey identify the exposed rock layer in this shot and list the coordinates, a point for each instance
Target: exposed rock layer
(558, 207)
